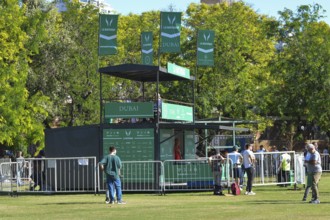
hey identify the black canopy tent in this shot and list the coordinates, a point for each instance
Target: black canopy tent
(142, 73)
(148, 73)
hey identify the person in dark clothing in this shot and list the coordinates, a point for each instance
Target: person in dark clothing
(111, 165)
(38, 176)
(215, 161)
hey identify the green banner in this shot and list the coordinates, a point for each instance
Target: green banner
(108, 34)
(205, 48)
(129, 110)
(178, 70)
(177, 112)
(147, 52)
(170, 26)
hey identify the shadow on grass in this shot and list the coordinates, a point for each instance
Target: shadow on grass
(279, 202)
(191, 194)
(70, 203)
(277, 188)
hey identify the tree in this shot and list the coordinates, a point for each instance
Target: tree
(301, 70)
(235, 86)
(66, 70)
(20, 113)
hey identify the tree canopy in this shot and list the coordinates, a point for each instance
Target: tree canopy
(264, 68)
(21, 113)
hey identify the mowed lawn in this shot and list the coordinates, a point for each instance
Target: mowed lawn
(271, 202)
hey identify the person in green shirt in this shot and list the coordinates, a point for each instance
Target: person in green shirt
(111, 165)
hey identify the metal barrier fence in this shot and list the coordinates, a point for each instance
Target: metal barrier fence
(50, 175)
(268, 169)
(138, 176)
(325, 161)
(170, 175)
(74, 174)
(14, 176)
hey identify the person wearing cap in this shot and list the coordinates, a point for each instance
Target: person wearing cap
(215, 161)
(314, 166)
(284, 168)
(236, 159)
(249, 162)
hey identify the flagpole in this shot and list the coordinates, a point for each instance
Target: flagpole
(98, 67)
(156, 120)
(157, 85)
(196, 77)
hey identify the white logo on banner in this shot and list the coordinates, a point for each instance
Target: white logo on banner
(206, 38)
(147, 38)
(128, 133)
(171, 21)
(108, 22)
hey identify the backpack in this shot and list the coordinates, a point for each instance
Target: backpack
(235, 190)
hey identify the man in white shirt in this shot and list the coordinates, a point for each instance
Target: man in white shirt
(314, 166)
(248, 162)
(236, 159)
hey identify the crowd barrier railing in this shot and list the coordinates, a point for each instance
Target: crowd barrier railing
(82, 174)
(138, 176)
(51, 175)
(325, 162)
(268, 170)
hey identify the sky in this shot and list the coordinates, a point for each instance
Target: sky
(268, 7)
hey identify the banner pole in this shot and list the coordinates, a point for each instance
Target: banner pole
(100, 81)
(160, 36)
(157, 85)
(98, 66)
(196, 77)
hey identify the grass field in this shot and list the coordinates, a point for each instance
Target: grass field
(271, 202)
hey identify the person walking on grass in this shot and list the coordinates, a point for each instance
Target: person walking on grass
(248, 162)
(314, 166)
(111, 165)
